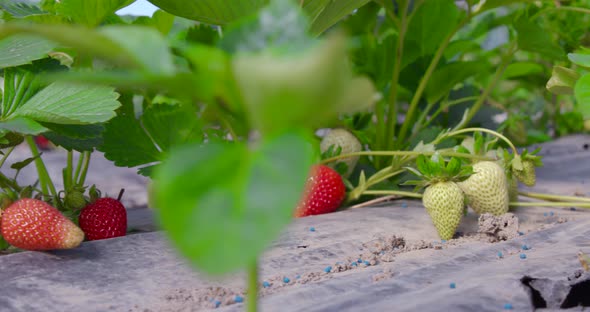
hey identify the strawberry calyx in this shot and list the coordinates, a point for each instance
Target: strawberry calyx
(436, 169)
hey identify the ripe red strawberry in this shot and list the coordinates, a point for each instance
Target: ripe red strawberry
(33, 224)
(43, 143)
(324, 192)
(104, 218)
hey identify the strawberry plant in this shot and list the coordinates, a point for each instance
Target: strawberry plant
(218, 102)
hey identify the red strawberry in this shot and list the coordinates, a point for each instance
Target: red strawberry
(104, 218)
(33, 224)
(43, 143)
(324, 192)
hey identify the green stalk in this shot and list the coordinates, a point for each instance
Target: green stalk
(550, 204)
(69, 170)
(44, 178)
(252, 298)
(492, 132)
(503, 64)
(551, 197)
(6, 154)
(393, 107)
(82, 178)
(78, 167)
(424, 82)
(404, 153)
(392, 192)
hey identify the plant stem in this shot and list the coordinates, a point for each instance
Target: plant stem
(477, 105)
(550, 204)
(551, 197)
(69, 170)
(492, 132)
(78, 167)
(392, 116)
(6, 154)
(252, 299)
(392, 192)
(82, 178)
(44, 178)
(404, 153)
(424, 81)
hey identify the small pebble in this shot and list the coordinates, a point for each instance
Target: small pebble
(286, 280)
(525, 247)
(520, 233)
(573, 208)
(452, 285)
(328, 269)
(508, 306)
(238, 299)
(522, 256)
(217, 303)
(404, 205)
(297, 276)
(265, 284)
(354, 264)
(500, 254)
(312, 229)
(367, 263)
(551, 213)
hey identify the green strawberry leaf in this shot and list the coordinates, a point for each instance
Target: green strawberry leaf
(162, 21)
(328, 13)
(23, 125)
(582, 94)
(534, 38)
(170, 125)
(20, 9)
(281, 25)
(71, 143)
(431, 23)
(132, 149)
(23, 49)
(211, 11)
(445, 78)
(76, 131)
(21, 164)
(19, 86)
(581, 59)
(90, 12)
(147, 171)
(70, 104)
(232, 190)
(130, 46)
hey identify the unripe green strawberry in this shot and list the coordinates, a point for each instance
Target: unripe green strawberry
(75, 199)
(513, 189)
(487, 188)
(347, 142)
(444, 202)
(527, 175)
